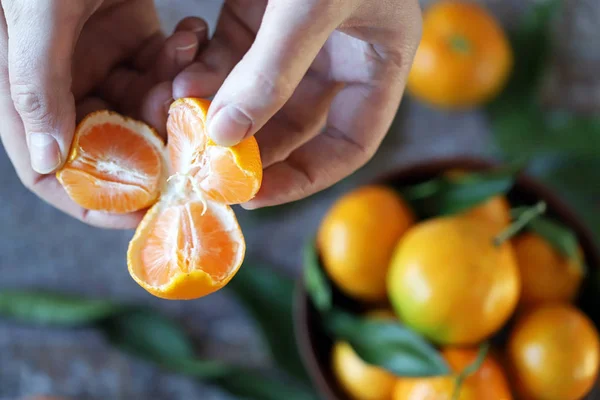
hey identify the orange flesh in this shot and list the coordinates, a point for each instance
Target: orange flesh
(219, 171)
(187, 140)
(103, 172)
(189, 243)
(180, 239)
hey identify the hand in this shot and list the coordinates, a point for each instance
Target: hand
(61, 59)
(317, 81)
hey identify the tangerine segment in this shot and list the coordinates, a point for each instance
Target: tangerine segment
(230, 175)
(115, 164)
(185, 249)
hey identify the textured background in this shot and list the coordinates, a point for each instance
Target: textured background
(41, 247)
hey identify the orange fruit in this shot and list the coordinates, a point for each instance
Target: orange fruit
(494, 211)
(464, 58)
(546, 275)
(357, 237)
(358, 379)
(487, 383)
(553, 353)
(230, 175)
(104, 172)
(449, 282)
(189, 243)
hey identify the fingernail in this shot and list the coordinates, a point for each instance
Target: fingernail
(229, 126)
(44, 153)
(200, 32)
(185, 54)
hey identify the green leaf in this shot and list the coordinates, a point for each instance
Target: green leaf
(470, 369)
(47, 308)
(574, 178)
(387, 344)
(525, 216)
(269, 298)
(259, 387)
(450, 195)
(316, 282)
(148, 334)
(560, 237)
(531, 44)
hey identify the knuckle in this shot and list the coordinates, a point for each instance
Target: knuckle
(30, 103)
(276, 89)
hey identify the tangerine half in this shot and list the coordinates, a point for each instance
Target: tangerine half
(189, 243)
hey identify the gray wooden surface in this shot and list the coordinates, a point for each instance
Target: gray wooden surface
(41, 247)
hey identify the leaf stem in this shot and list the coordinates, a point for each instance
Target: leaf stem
(525, 218)
(470, 369)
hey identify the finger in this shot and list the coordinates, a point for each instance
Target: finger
(46, 187)
(231, 41)
(195, 25)
(90, 105)
(287, 42)
(39, 57)
(295, 124)
(146, 55)
(358, 120)
(178, 52)
(155, 107)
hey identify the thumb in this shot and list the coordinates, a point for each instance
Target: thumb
(290, 37)
(41, 39)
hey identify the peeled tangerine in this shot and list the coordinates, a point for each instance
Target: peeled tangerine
(189, 244)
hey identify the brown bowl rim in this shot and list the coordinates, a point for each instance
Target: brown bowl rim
(303, 310)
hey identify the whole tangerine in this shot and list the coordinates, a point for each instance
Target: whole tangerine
(553, 353)
(449, 281)
(357, 237)
(487, 383)
(358, 379)
(546, 275)
(464, 58)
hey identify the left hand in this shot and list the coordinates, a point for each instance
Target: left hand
(317, 81)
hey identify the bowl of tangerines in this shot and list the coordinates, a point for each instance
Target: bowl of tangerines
(453, 279)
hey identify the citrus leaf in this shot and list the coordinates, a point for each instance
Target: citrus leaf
(47, 308)
(316, 282)
(148, 334)
(255, 386)
(522, 218)
(269, 296)
(450, 195)
(531, 44)
(560, 237)
(387, 344)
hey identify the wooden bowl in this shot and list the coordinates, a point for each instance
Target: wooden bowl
(315, 346)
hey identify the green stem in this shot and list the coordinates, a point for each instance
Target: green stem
(460, 44)
(470, 369)
(525, 218)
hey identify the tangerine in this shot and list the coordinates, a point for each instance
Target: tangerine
(546, 275)
(553, 353)
(487, 383)
(189, 243)
(450, 282)
(464, 58)
(358, 379)
(357, 237)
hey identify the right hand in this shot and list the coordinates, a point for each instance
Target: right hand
(62, 59)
